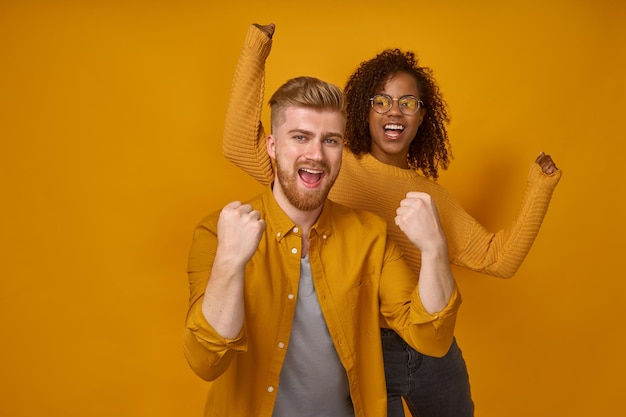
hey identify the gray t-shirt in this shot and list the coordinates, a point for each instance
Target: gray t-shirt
(313, 382)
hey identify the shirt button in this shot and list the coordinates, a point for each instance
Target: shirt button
(281, 345)
(291, 296)
(295, 230)
(270, 389)
(324, 237)
(294, 250)
(278, 234)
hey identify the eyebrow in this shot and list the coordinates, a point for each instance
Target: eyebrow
(310, 133)
(394, 98)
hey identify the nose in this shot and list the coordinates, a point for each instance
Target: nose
(395, 107)
(315, 150)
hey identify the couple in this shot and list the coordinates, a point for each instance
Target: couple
(317, 275)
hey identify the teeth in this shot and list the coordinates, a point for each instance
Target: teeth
(311, 171)
(394, 127)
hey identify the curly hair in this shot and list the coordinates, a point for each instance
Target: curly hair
(430, 148)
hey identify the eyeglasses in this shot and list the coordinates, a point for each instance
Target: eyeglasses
(408, 105)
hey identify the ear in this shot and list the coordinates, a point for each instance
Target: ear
(271, 146)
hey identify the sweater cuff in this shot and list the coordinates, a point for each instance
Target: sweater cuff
(536, 176)
(258, 41)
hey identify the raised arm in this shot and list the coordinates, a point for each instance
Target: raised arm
(501, 253)
(217, 262)
(418, 219)
(239, 230)
(427, 322)
(403, 299)
(244, 136)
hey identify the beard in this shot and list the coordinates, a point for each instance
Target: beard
(303, 200)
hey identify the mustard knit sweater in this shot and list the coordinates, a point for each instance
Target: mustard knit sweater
(366, 183)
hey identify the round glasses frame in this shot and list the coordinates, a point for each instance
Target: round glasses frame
(407, 111)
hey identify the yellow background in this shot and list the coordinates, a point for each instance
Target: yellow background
(110, 125)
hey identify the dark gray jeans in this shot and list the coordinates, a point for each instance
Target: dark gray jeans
(431, 387)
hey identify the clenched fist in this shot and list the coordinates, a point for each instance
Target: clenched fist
(546, 163)
(418, 218)
(239, 231)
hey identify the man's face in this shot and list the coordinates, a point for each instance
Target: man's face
(307, 149)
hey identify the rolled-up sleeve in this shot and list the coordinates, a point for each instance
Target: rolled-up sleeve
(208, 353)
(402, 308)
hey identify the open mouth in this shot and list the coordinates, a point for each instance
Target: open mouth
(310, 177)
(393, 130)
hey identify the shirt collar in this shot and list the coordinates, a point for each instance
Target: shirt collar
(281, 225)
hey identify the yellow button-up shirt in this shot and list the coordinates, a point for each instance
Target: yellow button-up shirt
(359, 277)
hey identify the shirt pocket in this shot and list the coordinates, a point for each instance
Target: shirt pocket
(362, 300)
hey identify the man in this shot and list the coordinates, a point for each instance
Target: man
(287, 291)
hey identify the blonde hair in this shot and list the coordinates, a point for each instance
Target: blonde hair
(308, 92)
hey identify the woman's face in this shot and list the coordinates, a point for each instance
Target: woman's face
(393, 131)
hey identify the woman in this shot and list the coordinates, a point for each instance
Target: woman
(395, 142)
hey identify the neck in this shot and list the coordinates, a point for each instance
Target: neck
(398, 160)
(304, 219)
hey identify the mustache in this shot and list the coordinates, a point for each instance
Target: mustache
(316, 166)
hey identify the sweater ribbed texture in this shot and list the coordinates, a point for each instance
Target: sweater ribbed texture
(366, 183)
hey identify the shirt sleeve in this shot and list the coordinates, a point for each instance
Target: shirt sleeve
(402, 308)
(501, 253)
(244, 137)
(208, 353)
